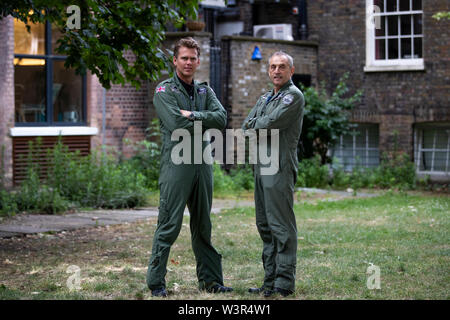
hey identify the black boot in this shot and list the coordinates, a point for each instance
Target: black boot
(217, 288)
(283, 292)
(159, 293)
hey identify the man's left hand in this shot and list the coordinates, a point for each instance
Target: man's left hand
(185, 113)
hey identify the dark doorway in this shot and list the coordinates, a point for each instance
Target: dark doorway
(304, 79)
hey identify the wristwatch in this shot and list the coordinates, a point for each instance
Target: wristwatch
(191, 116)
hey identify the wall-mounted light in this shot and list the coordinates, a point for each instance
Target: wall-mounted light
(256, 54)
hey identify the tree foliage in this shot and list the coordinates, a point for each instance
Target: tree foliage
(326, 118)
(444, 15)
(107, 30)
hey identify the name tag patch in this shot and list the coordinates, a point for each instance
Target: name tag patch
(202, 90)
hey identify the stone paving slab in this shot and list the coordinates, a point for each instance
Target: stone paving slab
(36, 223)
(23, 224)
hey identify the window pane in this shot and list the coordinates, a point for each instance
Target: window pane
(374, 158)
(428, 138)
(406, 48)
(417, 4)
(440, 158)
(417, 23)
(391, 5)
(349, 157)
(382, 30)
(67, 97)
(393, 49)
(380, 49)
(405, 25)
(442, 138)
(417, 48)
(29, 90)
(347, 141)
(32, 42)
(404, 5)
(56, 35)
(392, 25)
(379, 4)
(426, 161)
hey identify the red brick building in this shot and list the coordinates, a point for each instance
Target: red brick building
(395, 51)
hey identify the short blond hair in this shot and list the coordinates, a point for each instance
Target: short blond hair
(188, 42)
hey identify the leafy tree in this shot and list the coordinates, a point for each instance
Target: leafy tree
(445, 15)
(326, 118)
(107, 29)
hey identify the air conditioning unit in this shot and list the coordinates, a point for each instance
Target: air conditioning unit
(273, 31)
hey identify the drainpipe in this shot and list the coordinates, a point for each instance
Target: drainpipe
(104, 119)
(303, 20)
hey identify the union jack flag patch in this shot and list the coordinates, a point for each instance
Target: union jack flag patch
(161, 89)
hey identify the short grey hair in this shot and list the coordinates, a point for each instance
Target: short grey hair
(284, 54)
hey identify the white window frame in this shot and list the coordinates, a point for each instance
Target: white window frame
(372, 64)
(418, 149)
(52, 131)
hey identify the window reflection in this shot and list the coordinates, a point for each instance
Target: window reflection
(29, 86)
(56, 35)
(67, 93)
(32, 42)
(36, 68)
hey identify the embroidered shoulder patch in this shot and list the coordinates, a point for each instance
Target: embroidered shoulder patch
(175, 89)
(202, 90)
(287, 99)
(161, 89)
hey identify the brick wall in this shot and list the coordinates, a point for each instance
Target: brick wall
(247, 80)
(6, 93)
(395, 100)
(126, 114)
(276, 13)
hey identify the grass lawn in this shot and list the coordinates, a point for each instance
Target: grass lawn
(406, 236)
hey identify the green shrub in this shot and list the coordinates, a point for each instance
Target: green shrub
(242, 177)
(96, 180)
(396, 171)
(147, 154)
(8, 205)
(312, 174)
(222, 181)
(393, 172)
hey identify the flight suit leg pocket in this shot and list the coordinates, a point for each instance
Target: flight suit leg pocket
(163, 215)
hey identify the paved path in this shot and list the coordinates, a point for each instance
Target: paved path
(23, 224)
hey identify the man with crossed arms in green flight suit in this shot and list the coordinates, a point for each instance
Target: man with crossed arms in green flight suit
(179, 101)
(282, 109)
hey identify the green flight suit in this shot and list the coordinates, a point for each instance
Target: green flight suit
(182, 184)
(274, 194)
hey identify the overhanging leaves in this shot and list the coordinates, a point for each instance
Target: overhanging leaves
(108, 30)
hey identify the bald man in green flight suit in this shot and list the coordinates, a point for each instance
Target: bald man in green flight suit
(179, 101)
(281, 109)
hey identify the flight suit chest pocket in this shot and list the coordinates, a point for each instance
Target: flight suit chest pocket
(272, 106)
(200, 99)
(183, 102)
